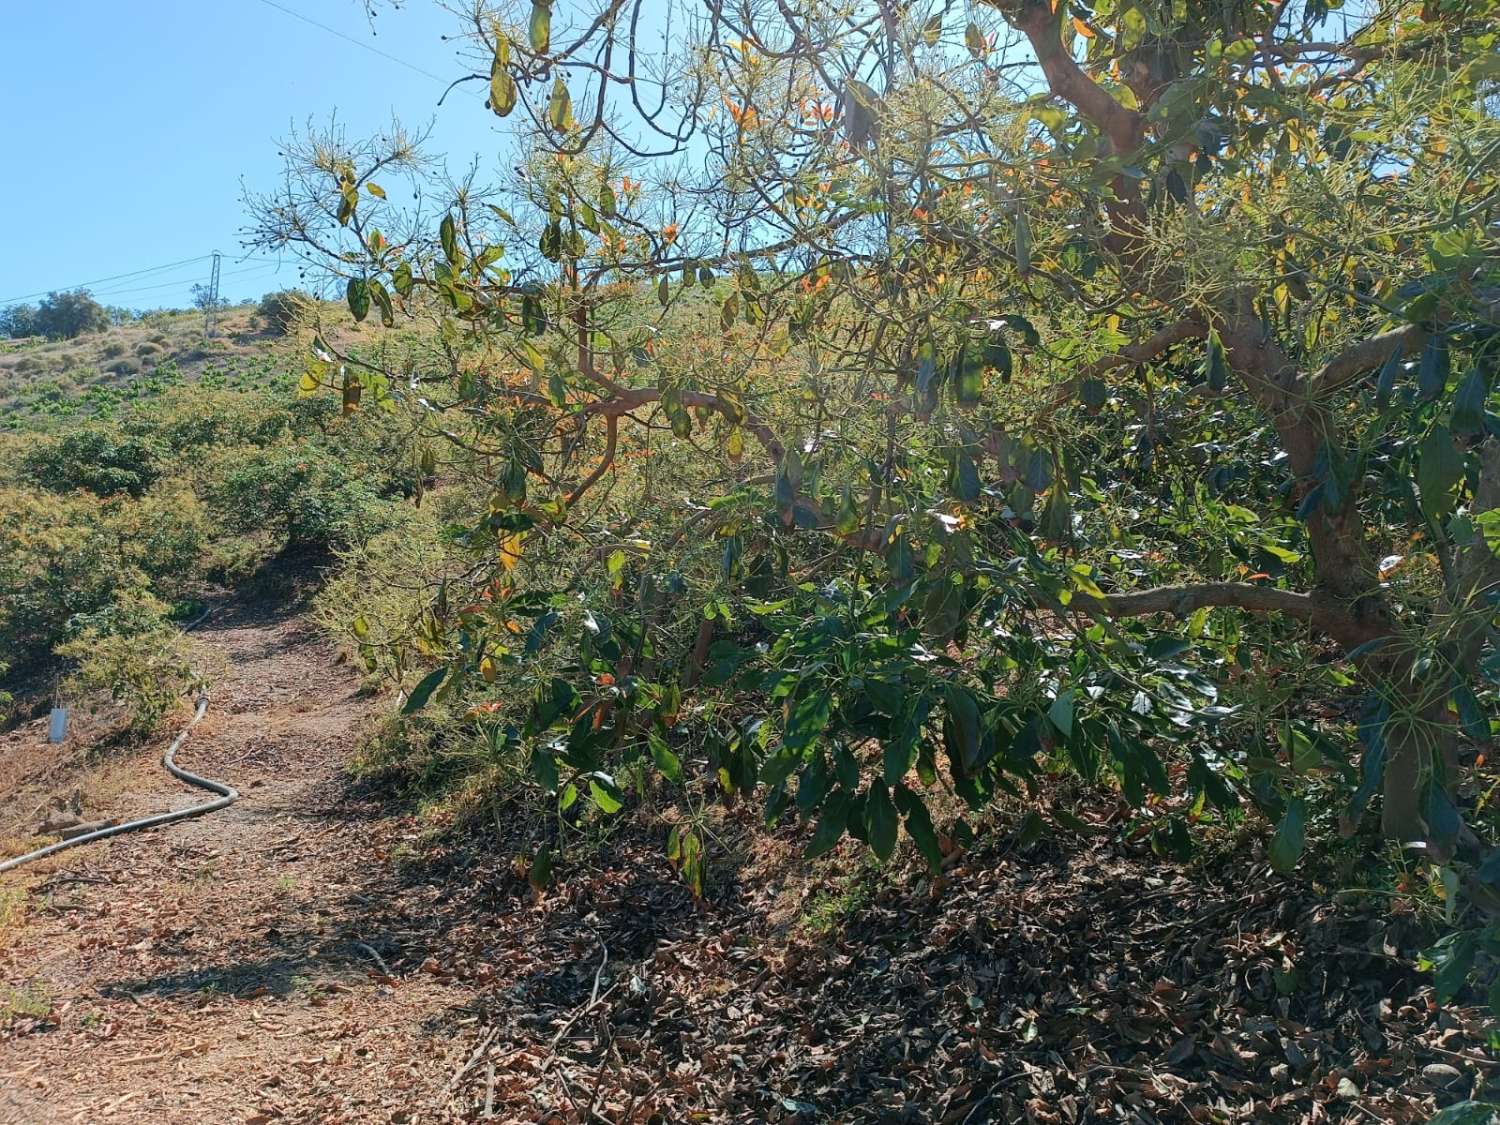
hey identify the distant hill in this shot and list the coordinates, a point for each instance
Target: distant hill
(93, 372)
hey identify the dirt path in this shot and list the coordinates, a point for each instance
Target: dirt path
(317, 954)
(230, 968)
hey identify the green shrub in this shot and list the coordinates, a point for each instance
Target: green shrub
(56, 559)
(310, 496)
(131, 652)
(114, 348)
(97, 458)
(281, 309)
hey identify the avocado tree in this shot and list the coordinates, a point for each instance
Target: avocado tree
(1058, 368)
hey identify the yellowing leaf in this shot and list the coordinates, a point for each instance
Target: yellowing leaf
(502, 89)
(510, 550)
(1082, 28)
(540, 26)
(560, 106)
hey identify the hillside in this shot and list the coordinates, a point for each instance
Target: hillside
(41, 380)
(96, 373)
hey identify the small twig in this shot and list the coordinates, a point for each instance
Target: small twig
(59, 880)
(1417, 1044)
(489, 1088)
(564, 1029)
(594, 999)
(370, 949)
(468, 1066)
(594, 995)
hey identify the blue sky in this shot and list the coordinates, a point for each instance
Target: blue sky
(133, 125)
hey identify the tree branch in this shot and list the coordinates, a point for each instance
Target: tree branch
(1037, 20)
(611, 436)
(1364, 356)
(1149, 348)
(630, 398)
(1182, 600)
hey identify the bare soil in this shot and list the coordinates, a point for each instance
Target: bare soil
(318, 953)
(224, 969)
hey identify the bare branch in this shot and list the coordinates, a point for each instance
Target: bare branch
(612, 434)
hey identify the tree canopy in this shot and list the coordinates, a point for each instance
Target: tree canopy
(1054, 383)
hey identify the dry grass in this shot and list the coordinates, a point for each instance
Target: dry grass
(120, 353)
(13, 900)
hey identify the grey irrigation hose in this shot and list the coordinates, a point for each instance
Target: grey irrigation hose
(228, 795)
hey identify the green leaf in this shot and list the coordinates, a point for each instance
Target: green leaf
(1432, 371)
(961, 731)
(544, 769)
(1440, 466)
(601, 796)
(1023, 240)
(1468, 403)
(831, 825)
(692, 862)
(919, 826)
(880, 821)
(502, 87)
(778, 767)
(965, 479)
(1452, 961)
(402, 280)
(808, 719)
(383, 301)
(1386, 383)
(557, 389)
(1215, 368)
(1061, 713)
(1287, 843)
(1470, 715)
(539, 873)
(358, 296)
(666, 761)
(423, 691)
(997, 355)
(968, 386)
(664, 290)
(448, 236)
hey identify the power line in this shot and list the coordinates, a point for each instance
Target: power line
(180, 283)
(130, 274)
(102, 280)
(357, 42)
